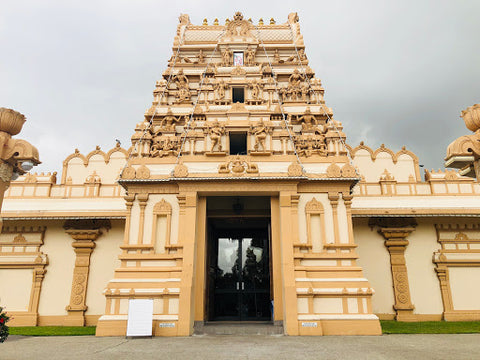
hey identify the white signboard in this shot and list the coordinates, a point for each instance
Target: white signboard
(140, 317)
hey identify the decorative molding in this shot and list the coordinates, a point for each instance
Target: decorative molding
(396, 244)
(83, 245)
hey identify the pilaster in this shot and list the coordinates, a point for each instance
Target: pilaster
(288, 233)
(186, 237)
(83, 245)
(396, 243)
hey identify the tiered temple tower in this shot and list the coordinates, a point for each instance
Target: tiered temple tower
(239, 192)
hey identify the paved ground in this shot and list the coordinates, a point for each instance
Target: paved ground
(419, 347)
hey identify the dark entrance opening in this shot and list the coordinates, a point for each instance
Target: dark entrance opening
(238, 143)
(239, 282)
(238, 94)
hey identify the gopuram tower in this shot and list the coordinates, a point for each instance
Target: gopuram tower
(239, 193)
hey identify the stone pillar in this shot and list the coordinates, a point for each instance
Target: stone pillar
(347, 200)
(442, 273)
(396, 243)
(83, 245)
(129, 199)
(142, 201)
(333, 197)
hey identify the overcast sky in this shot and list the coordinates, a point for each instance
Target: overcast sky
(394, 72)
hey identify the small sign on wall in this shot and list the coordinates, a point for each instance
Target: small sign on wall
(140, 317)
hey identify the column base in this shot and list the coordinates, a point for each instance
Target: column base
(74, 318)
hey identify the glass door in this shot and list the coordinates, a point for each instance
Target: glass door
(240, 275)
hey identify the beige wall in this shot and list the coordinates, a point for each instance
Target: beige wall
(57, 284)
(103, 262)
(424, 284)
(15, 287)
(375, 261)
(465, 286)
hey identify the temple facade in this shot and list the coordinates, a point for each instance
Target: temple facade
(240, 200)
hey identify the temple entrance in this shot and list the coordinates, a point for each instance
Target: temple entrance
(238, 267)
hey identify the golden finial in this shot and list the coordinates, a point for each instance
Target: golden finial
(227, 20)
(250, 20)
(205, 22)
(272, 21)
(260, 22)
(215, 22)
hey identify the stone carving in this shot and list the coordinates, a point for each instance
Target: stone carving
(238, 166)
(128, 173)
(143, 173)
(348, 171)
(260, 131)
(201, 57)
(216, 131)
(238, 70)
(180, 171)
(168, 122)
(333, 171)
(219, 90)
(238, 27)
(181, 81)
(256, 87)
(164, 146)
(295, 169)
(308, 120)
(307, 145)
(250, 57)
(227, 57)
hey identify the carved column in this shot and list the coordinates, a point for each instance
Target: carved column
(396, 243)
(142, 201)
(347, 200)
(442, 273)
(38, 276)
(129, 199)
(333, 197)
(83, 246)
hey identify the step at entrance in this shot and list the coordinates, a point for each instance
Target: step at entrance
(236, 328)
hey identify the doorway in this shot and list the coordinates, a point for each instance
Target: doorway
(239, 264)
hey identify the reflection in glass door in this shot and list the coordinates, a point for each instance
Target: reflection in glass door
(240, 276)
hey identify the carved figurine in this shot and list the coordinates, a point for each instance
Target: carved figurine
(216, 132)
(182, 85)
(227, 56)
(260, 133)
(219, 89)
(201, 57)
(255, 86)
(168, 122)
(276, 57)
(250, 57)
(308, 120)
(301, 55)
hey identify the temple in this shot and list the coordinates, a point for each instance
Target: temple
(240, 200)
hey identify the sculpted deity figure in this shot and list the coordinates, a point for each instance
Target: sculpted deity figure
(219, 89)
(308, 120)
(255, 86)
(260, 133)
(301, 55)
(168, 122)
(182, 85)
(295, 80)
(227, 56)
(216, 132)
(201, 57)
(250, 57)
(276, 56)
